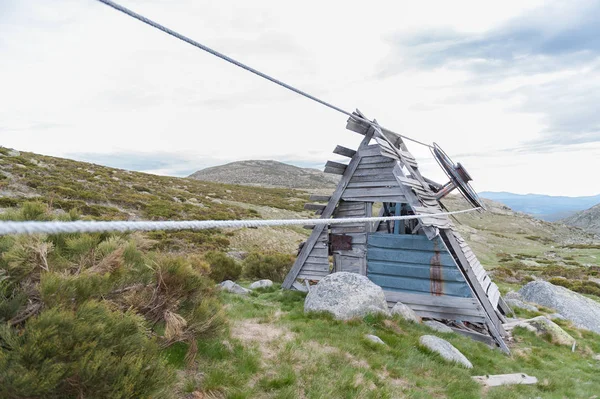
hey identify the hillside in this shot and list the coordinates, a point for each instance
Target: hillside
(147, 303)
(546, 207)
(267, 174)
(588, 220)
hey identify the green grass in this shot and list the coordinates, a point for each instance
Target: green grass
(322, 357)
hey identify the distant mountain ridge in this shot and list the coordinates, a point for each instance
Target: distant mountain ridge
(588, 220)
(267, 173)
(546, 207)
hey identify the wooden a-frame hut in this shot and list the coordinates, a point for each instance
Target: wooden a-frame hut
(423, 263)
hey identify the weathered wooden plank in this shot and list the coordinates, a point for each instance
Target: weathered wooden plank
(505, 379)
(486, 339)
(334, 171)
(320, 198)
(378, 198)
(370, 150)
(433, 300)
(350, 214)
(343, 151)
(314, 207)
(373, 159)
(374, 172)
(418, 285)
(373, 191)
(379, 166)
(327, 212)
(333, 164)
(373, 177)
(383, 183)
(343, 229)
(350, 205)
(320, 251)
(359, 127)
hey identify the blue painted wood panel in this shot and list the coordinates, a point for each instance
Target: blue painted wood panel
(414, 264)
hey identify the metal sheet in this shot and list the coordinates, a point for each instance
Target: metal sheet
(414, 264)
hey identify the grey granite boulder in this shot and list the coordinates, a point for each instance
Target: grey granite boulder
(261, 284)
(230, 286)
(445, 349)
(405, 312)
(346, 296)
(437, 326)
(582, 311)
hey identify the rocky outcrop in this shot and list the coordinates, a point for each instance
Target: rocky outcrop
(346, 296)
(405, 312)
(445, 349)
(582, 311)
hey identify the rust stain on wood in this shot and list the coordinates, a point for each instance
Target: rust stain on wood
(341, 242)
(435, 272)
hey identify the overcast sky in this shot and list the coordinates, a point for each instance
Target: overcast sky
(510, 89)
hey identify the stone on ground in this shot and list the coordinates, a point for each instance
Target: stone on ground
(519, 304)
(513, 295)
(375, 339)
(582, 311)
(543, 325)
(405, 312)
(437, 326)
(346, 296)
(261, 284)
(445, 349)
(230, 286)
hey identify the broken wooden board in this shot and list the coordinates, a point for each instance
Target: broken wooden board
(505, 379)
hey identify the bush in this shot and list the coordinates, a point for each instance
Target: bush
(222, 267)
(92, 352)
(581, 286)
(273, 266)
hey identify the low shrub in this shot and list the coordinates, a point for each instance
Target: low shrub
(91, 352)
(581, 286)
(273, 266)
(222, 267)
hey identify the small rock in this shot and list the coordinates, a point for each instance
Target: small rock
(237, 255)
(14, 153)
(405, 312)
(530, 263)
(445, 349)
(437, 326)
(261, 284)
(230, 286)
(346, 296)
(216, 201)
(375, 339)
(596, 357)
(518, 304)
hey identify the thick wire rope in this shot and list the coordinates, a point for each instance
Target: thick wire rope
(84, 226)
(244, 66)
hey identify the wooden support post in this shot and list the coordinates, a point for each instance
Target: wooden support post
(493, 322)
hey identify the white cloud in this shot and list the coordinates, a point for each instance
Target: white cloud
(79, 79)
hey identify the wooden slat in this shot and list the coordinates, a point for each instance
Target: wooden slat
(320, 198)
(334, 171)
(373, 192)
(343, 151)
(379, 166)
(314, 207)
(337, 165)
(365, 184)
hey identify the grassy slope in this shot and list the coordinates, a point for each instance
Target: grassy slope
(271, 348)
(274, 350)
